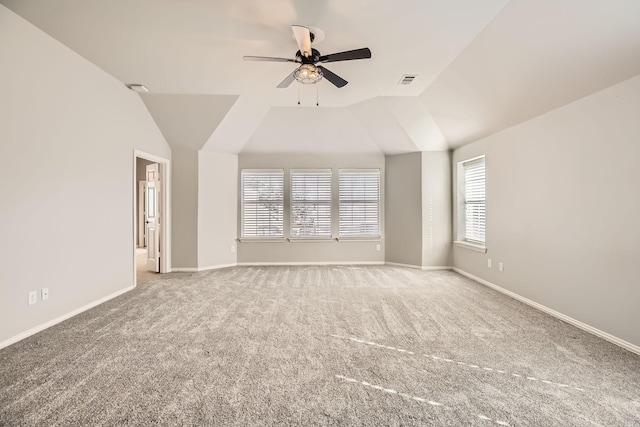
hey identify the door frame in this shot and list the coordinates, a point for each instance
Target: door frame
(165, 206)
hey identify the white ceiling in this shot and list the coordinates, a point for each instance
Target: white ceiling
(482, 66)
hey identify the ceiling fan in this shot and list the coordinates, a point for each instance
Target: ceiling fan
(309, 72)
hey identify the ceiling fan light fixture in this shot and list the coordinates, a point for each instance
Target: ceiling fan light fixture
(308, 74)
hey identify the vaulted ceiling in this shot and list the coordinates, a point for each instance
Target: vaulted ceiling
(481, 66)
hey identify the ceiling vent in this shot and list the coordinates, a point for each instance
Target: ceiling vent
(137, 88)
(407, 79)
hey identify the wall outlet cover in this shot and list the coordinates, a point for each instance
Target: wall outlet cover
(45, 294)
(33, 297)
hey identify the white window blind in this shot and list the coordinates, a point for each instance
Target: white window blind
(359, 209)
(262, 203)
(311, 204)
(474, 200)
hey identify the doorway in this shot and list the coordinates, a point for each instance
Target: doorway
(151, 217)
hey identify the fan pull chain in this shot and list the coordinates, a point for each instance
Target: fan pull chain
(317, 90)
(298, 94)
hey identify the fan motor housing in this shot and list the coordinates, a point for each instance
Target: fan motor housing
(312, 59)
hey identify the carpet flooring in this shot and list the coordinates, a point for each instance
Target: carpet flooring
(142, 274)
(321, 346)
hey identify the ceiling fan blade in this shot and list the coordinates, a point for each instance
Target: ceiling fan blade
(303, 37)
(287, 80)
(267, 58)
(332, 77)
(349, 55)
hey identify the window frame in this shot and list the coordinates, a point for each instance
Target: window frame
(327, 202)
(278, 202)
(462, 233)
(343, 201)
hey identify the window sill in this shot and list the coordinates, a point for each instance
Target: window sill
(263, 240)
(471, 246)
(303, 240)
(359, 239)
(309, 240)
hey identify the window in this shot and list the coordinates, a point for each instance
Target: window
(262, 203)
(311, 204)
(471, 201)
(359, 210)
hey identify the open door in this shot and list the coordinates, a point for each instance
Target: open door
(142, 219)
(152, 217)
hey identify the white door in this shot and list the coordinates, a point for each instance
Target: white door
(142, 217)
(152, 218)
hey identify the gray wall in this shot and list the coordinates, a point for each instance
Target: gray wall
(68, 132)
(436, 209)
(204, 209)
(562, 210)
(217, 209)
(184, 208)
(418, 209)
(312, 252)
(186, 121)
(403, 209)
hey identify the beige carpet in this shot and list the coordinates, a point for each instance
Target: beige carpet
(142, 274)
(317, 346)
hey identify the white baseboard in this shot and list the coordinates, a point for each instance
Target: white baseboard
(437, 267)
(420, 267)
(345, 263)
(197, 269)
(597, 332)
(62, 318)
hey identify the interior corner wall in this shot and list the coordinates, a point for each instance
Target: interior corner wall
(403, 208)
(68, 132)
(562, 210)
(217, 209)
(436, 209)
(184, 208)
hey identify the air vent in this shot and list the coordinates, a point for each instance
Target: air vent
(137, 88)
(407, 79)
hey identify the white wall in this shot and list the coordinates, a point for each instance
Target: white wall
(67, 137)
(217, 209)
(342, 252)
(563, 198)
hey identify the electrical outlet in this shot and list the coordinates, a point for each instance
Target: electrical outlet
(501, 267)
(45, 293)
(378, 247)
(489, 263)
(233, 248)
(33, 297)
